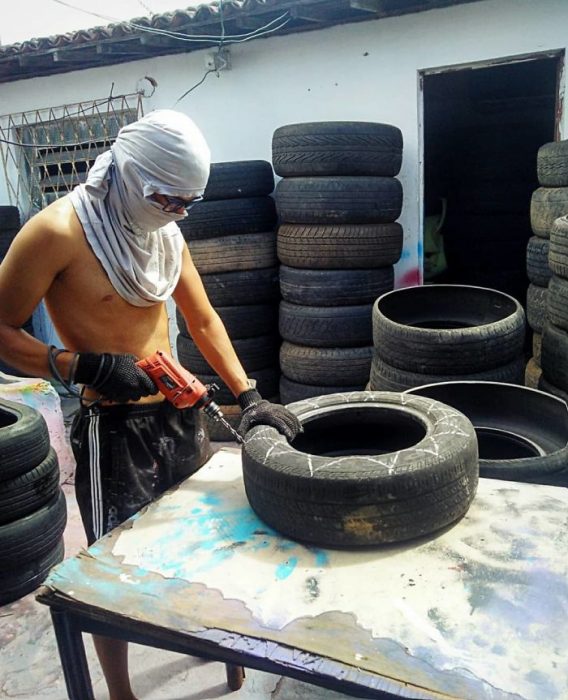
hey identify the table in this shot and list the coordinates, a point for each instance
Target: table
(477, 611)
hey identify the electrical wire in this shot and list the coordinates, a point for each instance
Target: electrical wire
(198, 38)
(79, 112)
(191, 89)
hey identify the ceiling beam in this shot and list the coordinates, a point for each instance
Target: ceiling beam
(126, 48)
(374, 6)
(310, 13)
(28, 60)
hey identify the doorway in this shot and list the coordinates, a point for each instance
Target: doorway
(482, 128)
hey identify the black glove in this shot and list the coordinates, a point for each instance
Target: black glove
(258, 411)
(116, 377)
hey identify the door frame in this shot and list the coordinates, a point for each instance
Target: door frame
(560, 117)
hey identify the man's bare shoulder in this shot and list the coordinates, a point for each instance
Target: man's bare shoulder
(56, 224)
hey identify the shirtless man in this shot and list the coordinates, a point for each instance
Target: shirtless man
(105, 258)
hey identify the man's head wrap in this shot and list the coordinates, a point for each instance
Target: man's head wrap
(137, 243)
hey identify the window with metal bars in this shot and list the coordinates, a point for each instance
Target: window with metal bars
(46, 153)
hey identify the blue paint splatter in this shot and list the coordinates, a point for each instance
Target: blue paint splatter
(420, 247)
(322, 558)
(286, 568)
(210, 499)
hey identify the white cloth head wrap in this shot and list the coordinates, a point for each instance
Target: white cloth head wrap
(138, 244)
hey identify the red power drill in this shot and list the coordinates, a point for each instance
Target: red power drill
(182, 388)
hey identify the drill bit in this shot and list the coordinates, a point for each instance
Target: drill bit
(230, 428)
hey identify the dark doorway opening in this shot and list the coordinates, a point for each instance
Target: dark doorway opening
(482, 130)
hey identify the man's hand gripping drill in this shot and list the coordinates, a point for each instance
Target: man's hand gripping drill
(182, 388)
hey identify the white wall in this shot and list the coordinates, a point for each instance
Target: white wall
(364, 71)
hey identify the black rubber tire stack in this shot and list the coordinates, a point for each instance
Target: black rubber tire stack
(232, 240)
(337, 204)
(9, 227)
(554, 358)
(33, 512)
(548, 202)
(439, 333)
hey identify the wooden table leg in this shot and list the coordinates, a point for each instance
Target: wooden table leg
(73, 656)
(235, 676)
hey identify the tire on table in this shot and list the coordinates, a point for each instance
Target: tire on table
(370, 468)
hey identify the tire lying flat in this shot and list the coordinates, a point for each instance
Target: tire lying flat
(24, 439)
(448, 329)
(522, 433)
(337, 148)
(370, 468)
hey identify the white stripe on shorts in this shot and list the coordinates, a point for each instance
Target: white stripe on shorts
(95, 473)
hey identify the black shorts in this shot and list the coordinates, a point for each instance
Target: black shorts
(128, 455)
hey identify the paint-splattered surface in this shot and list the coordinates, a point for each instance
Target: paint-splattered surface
(475, 612)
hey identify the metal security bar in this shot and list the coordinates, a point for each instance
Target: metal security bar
(47, 152)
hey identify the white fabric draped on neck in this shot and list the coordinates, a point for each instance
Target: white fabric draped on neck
(137, 243)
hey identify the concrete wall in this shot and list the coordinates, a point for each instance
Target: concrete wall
(365, 71)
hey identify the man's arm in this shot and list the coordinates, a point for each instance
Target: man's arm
(39, 252)
(206, 328)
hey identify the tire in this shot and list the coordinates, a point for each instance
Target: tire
(24, 439)
(337, 148)
(385, 377)
(33, 536)
(294, 391)
(9, 217)
(240, 178)
(552, 164)
(346, 367)
(326, 326)
(229, 217)
(334, 287)
(533, 373)
(28, 492)
(7, 235)
(557, 302)
(339, 200)
(242, 287)
(370, 468)
(549, 388)
(15, 584)
(513, 445)
(266, 383)
(251, 251)
(448, 329)
(344, 246)
(554, 358)
(558, 251)
(547, 204)
(538, 270)
(242, 321)
(254, 353)
(536, 306)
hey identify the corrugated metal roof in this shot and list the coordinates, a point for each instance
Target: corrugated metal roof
(136, 39)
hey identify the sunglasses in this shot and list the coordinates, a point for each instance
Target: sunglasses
(176, 203)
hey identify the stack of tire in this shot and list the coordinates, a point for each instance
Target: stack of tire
(33, 512)
(9, 227)
(337, 203)
(231, 236)
(554, 359)
(548, 203)
(444, 332)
